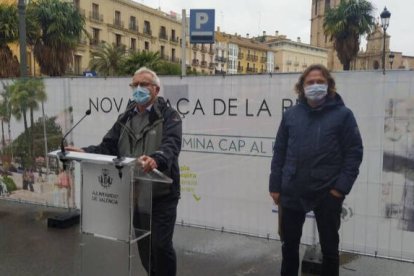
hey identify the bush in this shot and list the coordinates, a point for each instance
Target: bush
(9, 182)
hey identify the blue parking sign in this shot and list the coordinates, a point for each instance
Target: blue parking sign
(202, 26)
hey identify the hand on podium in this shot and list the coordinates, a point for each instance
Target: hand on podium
(72, 148)
(146, 163)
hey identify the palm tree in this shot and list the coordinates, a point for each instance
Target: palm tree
(345, 24)
(135, 60)
(5, 112)
(61, 26)
(107, 59)
(8, 33)
(25, 96)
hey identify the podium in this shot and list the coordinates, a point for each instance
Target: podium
(116, 207)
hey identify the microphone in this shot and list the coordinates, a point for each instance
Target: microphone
(62, 142)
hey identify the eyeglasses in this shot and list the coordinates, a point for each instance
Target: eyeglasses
(142, 84)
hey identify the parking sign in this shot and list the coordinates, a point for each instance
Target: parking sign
(202, 26)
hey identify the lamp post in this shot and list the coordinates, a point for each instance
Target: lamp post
(385, 22)
(391, 58)
(22, 37)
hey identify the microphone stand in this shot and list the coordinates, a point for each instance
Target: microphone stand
(69, 218)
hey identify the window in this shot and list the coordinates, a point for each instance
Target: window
(133, 23)
(327, 4)
(118, 40)
(147, 28)
(95, 36)
(117, 20)
(163, 32)
(172, 54)
(95, 11)
(173, 38)
(162, 51)
(133, 44)
(316, 7)
(146, 45)
(78, 64)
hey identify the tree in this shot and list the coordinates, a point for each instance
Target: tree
(345, 24)
(8, 33)
(167, 68)
(60, 27)
(5, 112)
(107, 59)
(135, 60)
(25, 94)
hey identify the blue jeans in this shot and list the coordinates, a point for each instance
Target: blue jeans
(328, 220)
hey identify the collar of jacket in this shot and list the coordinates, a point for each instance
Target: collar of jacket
(330, 102)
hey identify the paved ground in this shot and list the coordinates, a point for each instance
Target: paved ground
(28, 247)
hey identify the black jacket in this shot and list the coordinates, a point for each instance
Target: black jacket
(315, 150)
(166, 155)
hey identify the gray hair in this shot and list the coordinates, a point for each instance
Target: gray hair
(155, 78)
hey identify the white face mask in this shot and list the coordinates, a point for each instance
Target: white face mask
(316, 92)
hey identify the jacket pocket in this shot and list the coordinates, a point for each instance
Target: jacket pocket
(288, 172)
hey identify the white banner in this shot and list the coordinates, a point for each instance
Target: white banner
(229, 127)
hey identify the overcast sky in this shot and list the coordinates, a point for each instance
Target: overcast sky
(291, 18)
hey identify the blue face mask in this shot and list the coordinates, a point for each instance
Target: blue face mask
(316, 92)
(141, 95)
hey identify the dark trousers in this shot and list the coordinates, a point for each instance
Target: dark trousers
(328, 220)
(163, 258)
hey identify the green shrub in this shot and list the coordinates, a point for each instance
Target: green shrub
(9, 182)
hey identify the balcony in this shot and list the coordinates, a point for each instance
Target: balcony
(239, 69)
(296, 63)
(147, 31)
(211, 51)
(133, 27)
(175, 60)
(220, 59)
(94, 42)
(211, 65)
(203, 64)
(195, 62)
(174, 39)
(240, 56)
(263, 59)
(96, 17)
(288, 62)
(251, 70)
(203, 49)
(118, 24)
(163, 36)
(195, 47)
(165, 57)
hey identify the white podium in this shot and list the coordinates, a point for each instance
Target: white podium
(116, 205)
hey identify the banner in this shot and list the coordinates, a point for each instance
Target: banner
(229, 128)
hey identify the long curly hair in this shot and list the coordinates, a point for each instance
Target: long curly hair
(325, 73)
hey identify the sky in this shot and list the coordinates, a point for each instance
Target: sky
(290, 18)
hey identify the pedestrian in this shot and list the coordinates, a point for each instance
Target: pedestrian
(151, 131)
(316, 159)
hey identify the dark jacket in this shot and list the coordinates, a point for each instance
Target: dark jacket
(166, 154)
(315, 150)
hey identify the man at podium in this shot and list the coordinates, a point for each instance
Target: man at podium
(151, 131)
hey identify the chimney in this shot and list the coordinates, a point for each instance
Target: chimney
(247, 35)
(298, 39)
(264, 33)
(218, 29)
(276, 33)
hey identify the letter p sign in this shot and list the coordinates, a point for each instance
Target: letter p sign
(202, 26)
(201, 19)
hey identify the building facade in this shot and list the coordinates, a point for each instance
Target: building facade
(370, 59)
(294, 56)
(124, 22)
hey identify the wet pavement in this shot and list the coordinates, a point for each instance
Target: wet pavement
(29, 247)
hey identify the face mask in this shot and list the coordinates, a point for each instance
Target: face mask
(141, 95)
(316, 92)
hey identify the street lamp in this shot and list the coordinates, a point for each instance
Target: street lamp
(385, 22)
(391, 57)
